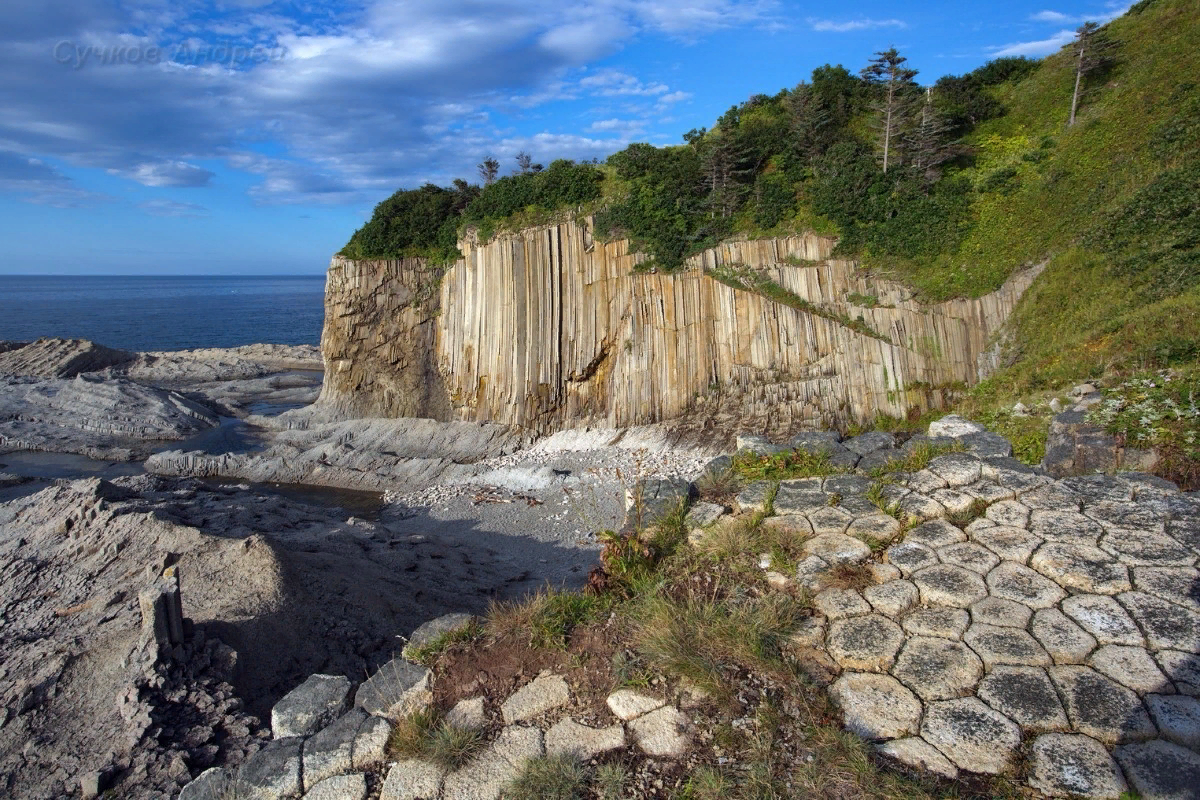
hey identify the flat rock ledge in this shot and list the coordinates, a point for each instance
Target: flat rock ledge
(1058, 629)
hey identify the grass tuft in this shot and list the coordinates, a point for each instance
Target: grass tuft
(426, 736)
(558, 777)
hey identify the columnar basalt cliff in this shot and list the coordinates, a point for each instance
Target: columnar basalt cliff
(548, 329)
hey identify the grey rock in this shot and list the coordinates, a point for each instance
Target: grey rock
(1005, 646)
(1009, 512)
(874, 526)
(969, 555)
(540, 695)
(955, 502)
(988, 491)
(397, 689)
(329, 752)
(937, 669)
(1051, 497)
(1132, 667)
(957, 469)
(413, 779)
(1026, 696)
(1127, 516)
(880, 459)
(716, 468)
(1180, 585)
(837, 548)
(876, 706)
(1066, 642)
(973, 736)
(799, 499)
(341, 787)
(1177, 718)
(582, 742)
(815, 441)
(759, 445)
(1010, 544)
(1013, 581)
(867, 643)
(987, 445)
(1069, 527)
(936, 534)
(925, 481)
(809, 632)
(1001, 613)
(1182, 668)
(954, 426)
(841, 603)
(629, 705)
(467, 714)
(654, 498)
(892, 598)
(663, 733)
(847, 484)
(1071, 765)
(273, 772)
(1100, 707)
(920, 508)
(1103, 618)
(909, 557)
(942, 621)
(917, 753)
(1160, 770)
(434, 628)
(948, 585)
(811, 572)
(829, 520)
(212, 784)
(1147, 548)
(754, 496)
(1167, 626)
(701, 515)
(311, 705)
(487, 775)
(370, 745)
(1081, 567)
(1100, 488)
(870, 442)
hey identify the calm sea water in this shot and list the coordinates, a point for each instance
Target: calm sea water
(164, 313)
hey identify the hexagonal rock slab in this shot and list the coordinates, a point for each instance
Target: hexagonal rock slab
(1160, 770)
(829, 520)
(892, 598)
(837, 548)
(793, 499)
(1072, 765)
(988, 492)
(328, 753)
(340, 787)
(917, 753)
(1081, 567)
(1010, 544)
(909, 557)
(310, 706)
(1147, 548)
(1067, 527)
(1001, 613)
(935, 533)
(925, 481)
(973, 736)
(273, 771)
(876, 706)
(1099, 707)
(1132, 667)
(874, 526)
(958, 469)
(1066, 642)
(467, 714)
(540, 695)
(1167, 625)
(954, 426)
(969, 555)
(1127, 516)
(582, 742)
(1009, 513)
(1052, 497)
(1177, 717)
(810, 573)
(919, 507)
(397, 689)
(1005, 646)
(948, 585)
(865, 643)
(940, 621)
(412, 779)
(753, 497)
(841, 603)
(663, 733)
(1013, 581)
(1182, 668)
(1103, 618)
(488, 773)
(1026, 696)
(937, 669)
(1179, 585)
(954, 501)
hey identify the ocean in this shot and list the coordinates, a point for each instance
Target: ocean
(176, 312)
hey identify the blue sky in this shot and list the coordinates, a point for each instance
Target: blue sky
(254, 136)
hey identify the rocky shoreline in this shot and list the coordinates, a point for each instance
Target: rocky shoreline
(154, 622)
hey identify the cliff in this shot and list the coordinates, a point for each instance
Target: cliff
(548, 329)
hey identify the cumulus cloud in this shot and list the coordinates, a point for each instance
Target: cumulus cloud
(1039, 47)
(34, 181)
(832, 26)
(1056, 17)
(360, 99)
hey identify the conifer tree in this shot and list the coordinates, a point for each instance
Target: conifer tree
(888, 72)
(489, 168)
(1093, 51)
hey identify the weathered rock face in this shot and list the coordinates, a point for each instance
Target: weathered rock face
(548, 329)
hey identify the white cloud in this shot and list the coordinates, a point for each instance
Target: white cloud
(1040, 47)
(674, 97)
(1051, 16)
(167, 173)
(831, 26)
(614, 83)
(161, 207)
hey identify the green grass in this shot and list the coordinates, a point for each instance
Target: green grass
(429, 652)
(748, 466)
(558, 777)
(426, 736)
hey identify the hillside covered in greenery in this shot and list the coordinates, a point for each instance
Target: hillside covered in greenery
(947, 185)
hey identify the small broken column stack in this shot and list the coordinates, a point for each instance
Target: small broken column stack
(162, 611)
